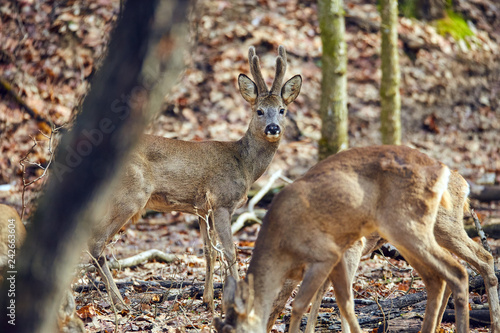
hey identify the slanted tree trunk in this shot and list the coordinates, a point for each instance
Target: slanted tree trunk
(390, 100)
(144, 59)
(333, 105)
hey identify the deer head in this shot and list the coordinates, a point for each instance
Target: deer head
(269, 107)
(237, 303)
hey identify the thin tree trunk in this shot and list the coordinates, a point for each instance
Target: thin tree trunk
(390, 100)
(333, 105)
(143, 54)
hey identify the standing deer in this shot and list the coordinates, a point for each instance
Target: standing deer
(392, 190)
(209, 179)
(449, 233)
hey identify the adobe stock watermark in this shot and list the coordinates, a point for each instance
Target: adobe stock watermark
(91, 138)
(11, 273)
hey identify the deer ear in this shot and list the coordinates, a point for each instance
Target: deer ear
(244, 296)
(291, 89)
(229, 293)
(222, 327)
(248, 89)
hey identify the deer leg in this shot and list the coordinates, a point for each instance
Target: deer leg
(223, 227)
(315, 276)
(124, 205)
(279, 303)
(341, 277)
(470, 251)
(96, 248)
(316, 304)
(442, 309)
(111, 287)
(208, 235)
(351, 257)
(438, 269)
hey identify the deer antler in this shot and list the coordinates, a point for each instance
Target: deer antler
(280, 71)
(254, 63)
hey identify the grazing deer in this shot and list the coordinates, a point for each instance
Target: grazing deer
(392, 190)
(209, 179)
(449, 233)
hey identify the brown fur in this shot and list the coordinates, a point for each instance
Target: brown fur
(449, 233)
(209, 179)
(394, 191)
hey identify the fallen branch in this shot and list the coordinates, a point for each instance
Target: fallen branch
(138, 259)
(196, 288)
(145, 256)
(481, 317)
(491, 230)
(395, 303)
(476, 284)
(251, 214)
(484, 193)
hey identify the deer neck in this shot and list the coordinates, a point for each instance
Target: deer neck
(256, 154)
(267, 284)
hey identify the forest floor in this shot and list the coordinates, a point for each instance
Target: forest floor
(450, 110)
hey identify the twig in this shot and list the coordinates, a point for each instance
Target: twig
(480, 231)
(92, 281)
(207, 218)
(185, 316)
(251, 215)
(381, 310)
(410, 287)
(25, 160)
(110, 298)
(411, 270)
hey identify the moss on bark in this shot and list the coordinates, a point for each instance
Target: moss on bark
(333, 104)
(390, 100)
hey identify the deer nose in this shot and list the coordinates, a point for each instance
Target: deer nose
(272, 130)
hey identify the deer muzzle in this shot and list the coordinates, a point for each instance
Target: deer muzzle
(272, 131)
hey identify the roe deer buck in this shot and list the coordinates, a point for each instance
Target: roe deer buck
(209, 179)
(449, 233)
(392, 190)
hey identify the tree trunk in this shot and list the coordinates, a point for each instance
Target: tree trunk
(144, 57)
(333, 105)
(390, 100)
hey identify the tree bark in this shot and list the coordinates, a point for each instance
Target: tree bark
(333, 104)
(390, 100)
(143, 60)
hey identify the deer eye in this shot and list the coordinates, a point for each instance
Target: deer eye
(282, 111)
(260, 112)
